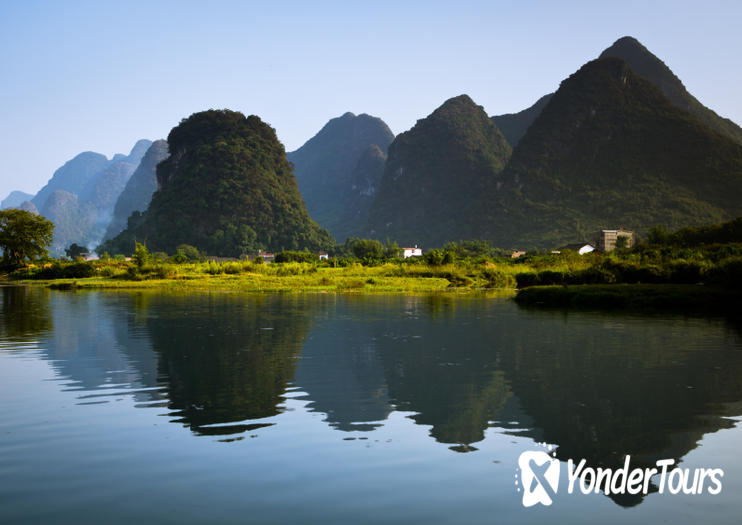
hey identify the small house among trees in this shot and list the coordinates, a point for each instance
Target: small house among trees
(412, 252)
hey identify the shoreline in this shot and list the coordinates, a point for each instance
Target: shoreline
(681, 298)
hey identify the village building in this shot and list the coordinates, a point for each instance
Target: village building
(579, 247)
(267, 257)
(606, 240)
(323, 256)
(516, 254)
(412, 252)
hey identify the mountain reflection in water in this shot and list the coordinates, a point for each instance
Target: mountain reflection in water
(596, 385)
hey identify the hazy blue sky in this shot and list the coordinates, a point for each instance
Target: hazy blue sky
(99, 75)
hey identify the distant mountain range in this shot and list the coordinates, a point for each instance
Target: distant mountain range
(614, 146)
(620, 143)
(15, 199)
(80, 197)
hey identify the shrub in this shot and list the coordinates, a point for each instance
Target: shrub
(526, 279)
(727, 273)
(498, 279)
(78, 270)
(547, 277)
(288, 256)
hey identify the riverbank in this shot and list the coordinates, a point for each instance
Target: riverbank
(668, 297)
(360, 280)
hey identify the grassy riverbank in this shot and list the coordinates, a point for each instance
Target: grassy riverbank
(655, 275)
(286, 277)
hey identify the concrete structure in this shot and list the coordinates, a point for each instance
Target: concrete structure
(412, 252)
(606, 239)
(323, 256)
(267, 257)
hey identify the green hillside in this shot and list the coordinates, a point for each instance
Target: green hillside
(227, 189)
(434, 174)
(611, 150)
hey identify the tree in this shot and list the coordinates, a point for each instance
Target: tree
(23, 236)
(75, 250)
(141, 255)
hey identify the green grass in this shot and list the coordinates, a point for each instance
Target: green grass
(290, 277)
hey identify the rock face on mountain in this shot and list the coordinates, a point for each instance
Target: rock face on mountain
(73, 177)
(137, 194)
(436, 173)
(644, 63)
(227, 189)
(609, 150)
(15, 199)
(515, 125)
(326, 170)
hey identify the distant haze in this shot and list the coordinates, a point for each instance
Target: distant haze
(97, 76)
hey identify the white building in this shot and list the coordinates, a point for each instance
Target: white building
(412, 252)
(323, 256)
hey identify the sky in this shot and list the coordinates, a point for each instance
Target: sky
(97, 76)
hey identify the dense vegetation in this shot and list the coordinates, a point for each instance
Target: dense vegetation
(24, 236)
(644, 63)
(226, 189)
(434, 175)
(610, 150)
(338, 171)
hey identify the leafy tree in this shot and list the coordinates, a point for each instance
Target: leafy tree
(75, 250)
(141, 255)
(658, 235)
(366, 249)
(188, 253)
(288, 256)
(23, 236)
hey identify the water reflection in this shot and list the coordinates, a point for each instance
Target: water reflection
(598, 386)
(226, 359)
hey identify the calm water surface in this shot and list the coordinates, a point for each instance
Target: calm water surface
(214, 407)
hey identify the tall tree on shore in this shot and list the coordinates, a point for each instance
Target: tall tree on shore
(23, 236)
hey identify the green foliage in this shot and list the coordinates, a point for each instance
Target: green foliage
(226, 189)
(23, 236)
(434, 257)
(435, 173)
(187, 253)
(610, 150)
(57, 270)
(75, 250)
(694, 236)
(289, 256)
(141, 255)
